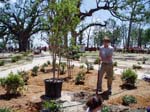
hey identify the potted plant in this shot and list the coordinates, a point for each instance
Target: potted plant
(59, 14)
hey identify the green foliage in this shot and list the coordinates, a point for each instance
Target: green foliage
(136, 67)
(80, 78)
(96, 61)
(105, 109)
(15, 58)
(146, 38)
(129, 77)
(8, 9)
(62, 67)
(25, 53)
(45, 65)
(42, 69)
(62, 22)
(24, 75)
(48, 62)
(13, 84)
(128, 99)
(35, 70)
(2, 62)
(73, 52)
(52, 106)
(115, 64)
(5, 110)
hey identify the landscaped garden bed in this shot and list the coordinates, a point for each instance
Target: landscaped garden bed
(32, 94)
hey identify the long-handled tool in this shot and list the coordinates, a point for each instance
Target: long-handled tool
(99, 66)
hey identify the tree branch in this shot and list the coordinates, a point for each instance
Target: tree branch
(90, 25)
(91, 11)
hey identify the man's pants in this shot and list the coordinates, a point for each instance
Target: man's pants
(108, 69)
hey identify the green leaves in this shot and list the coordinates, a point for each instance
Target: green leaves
(128, 99)
(63, 14)
(13, 84)
(5, 110)
(129, 77)
(52, 106)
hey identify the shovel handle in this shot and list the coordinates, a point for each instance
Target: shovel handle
(98, 79)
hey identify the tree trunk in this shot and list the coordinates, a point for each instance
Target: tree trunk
(23, 44)
(65, 41)
(88, 39)
(129, 34)
(140, 37)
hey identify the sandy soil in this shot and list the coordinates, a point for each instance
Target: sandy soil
(30, 101)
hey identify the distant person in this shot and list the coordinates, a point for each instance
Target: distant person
(105, 55)
(94, 104)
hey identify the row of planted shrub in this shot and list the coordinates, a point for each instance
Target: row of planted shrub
(14, 83)
(15, 58)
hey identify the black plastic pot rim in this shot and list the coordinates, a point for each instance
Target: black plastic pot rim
(53, 80)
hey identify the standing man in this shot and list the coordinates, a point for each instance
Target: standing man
(105, 55)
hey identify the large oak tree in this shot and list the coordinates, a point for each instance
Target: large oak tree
(23, 19)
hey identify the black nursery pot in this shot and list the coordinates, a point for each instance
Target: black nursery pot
(53, 88)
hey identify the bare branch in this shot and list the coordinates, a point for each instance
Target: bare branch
(90, 25)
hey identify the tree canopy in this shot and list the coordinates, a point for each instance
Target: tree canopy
(22, 19)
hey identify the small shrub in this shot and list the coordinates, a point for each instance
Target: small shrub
(138, 63)
(80, 78)
(25, 53)
(129, 77)
(144, 59)
(51, 106)
(48, 62)
(96, 61)
(137, 67)
(42, 69)
(13, 84)
(15, 58)
(24, 75)
(62, 67)
(35, 70)
(2, 62)
(5, 110)
(128, 99)
(115, 64)
(105, 109)
(45, 65)
(76, 56)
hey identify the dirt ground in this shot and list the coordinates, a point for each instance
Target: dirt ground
(31, 98)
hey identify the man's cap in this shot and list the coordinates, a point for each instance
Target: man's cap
(106, 39)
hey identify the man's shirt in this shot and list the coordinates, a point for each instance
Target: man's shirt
(106, 52)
